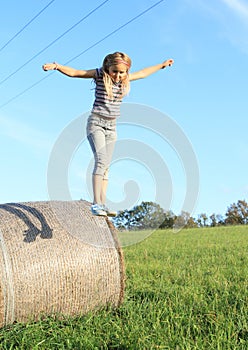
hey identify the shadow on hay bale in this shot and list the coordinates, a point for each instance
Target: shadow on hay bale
(56, 258)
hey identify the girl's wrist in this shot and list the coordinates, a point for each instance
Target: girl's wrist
(56, 66)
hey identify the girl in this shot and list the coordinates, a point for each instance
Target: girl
(112, 84)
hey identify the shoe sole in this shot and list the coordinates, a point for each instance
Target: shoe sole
(99, 214)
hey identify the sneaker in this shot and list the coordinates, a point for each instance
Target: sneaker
(108, 211)
(98, 210)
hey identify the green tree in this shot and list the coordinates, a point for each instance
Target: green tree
(147, 215)
(169, 220)
(216, 220)
(237, 213)
(202, 220)
(184, 220)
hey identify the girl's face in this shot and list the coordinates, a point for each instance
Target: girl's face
(118, 72)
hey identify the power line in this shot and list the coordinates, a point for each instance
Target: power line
(114, 31)
(81, 53)
(26, 25)
(53, 42)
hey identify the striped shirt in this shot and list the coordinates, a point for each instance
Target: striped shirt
(103, 104)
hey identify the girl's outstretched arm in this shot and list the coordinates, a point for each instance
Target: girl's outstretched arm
(69, 71)
(145, 72)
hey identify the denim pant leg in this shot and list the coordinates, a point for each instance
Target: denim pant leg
(101, 134)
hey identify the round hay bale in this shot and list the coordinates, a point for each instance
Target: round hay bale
(56, 258)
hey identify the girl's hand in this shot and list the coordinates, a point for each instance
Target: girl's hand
(167, 63)
(50, 66)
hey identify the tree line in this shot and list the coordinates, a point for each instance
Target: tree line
(150, 215)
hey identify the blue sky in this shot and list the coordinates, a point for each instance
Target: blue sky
(204, 94)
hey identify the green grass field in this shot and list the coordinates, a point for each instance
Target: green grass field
(186, 290)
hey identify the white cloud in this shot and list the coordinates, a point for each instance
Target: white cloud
(232, 16)
(236, 23)
(240, 7)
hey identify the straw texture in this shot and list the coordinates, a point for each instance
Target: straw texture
(56, 258)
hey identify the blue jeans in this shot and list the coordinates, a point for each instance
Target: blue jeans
(101, 133)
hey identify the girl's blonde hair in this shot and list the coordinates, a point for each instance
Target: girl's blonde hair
(111, 60)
